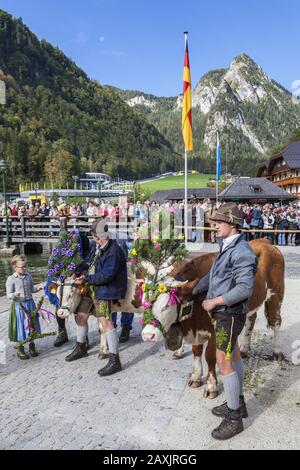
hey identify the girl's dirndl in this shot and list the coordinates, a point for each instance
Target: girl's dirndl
(19, 321)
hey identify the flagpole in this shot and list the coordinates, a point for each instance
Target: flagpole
(217, 170)
(185, 177)
(186, 197)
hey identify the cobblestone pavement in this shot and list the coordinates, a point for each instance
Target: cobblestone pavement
(47, 403)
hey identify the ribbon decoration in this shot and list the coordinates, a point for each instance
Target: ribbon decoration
(141, 292)
(46, 315)
(173, 298)
(28, 322)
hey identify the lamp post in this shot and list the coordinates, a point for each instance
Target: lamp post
(75, 178)
(3, 169)
(36, 188)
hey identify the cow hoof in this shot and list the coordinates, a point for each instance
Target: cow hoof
(102, 356)
(244, 354)
(176, 357)
(210, 394)
(278, 357)
(194, 383)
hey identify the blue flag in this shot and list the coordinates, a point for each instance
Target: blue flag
(219, 161)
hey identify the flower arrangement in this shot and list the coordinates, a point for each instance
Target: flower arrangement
(148, 295)
(158, 249)
(65, 258)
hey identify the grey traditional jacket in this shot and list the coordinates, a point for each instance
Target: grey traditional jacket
(23, 284)
(232, 275)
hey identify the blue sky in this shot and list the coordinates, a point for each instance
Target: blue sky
(139, 44)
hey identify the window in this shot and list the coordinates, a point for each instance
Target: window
(256, 188)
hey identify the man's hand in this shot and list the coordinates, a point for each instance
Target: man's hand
(17, 295)
(79, 281)
(211, 304)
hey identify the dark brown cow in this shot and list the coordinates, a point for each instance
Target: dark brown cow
(268, 290)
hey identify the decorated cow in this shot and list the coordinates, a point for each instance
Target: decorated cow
(196, 328)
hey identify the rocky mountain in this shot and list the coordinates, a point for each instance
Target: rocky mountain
(57, 122)
(253, 114)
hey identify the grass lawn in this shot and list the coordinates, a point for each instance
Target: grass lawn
(177, 182)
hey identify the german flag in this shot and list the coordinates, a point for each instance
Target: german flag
(187, 101)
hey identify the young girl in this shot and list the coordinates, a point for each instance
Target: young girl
(19, 288)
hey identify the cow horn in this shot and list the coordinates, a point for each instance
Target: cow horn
(179, 283)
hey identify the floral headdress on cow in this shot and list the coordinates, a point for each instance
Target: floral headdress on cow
(160, 250)
(65, 258)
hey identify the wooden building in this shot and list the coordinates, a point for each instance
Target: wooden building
(283, 169)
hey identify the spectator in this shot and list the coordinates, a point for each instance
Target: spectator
(292, 225)
(281, 223)
(268, 221)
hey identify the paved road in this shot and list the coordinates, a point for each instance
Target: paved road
(47, 403)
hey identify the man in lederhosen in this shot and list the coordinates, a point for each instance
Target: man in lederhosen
(229, 284)
(109, 284)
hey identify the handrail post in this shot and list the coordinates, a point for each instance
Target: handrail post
(63, 223)
(23, 227)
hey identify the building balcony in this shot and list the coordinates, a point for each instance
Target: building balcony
(291, 181)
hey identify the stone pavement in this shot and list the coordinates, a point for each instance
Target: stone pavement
(47, 403)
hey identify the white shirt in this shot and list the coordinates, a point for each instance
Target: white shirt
(228, 240)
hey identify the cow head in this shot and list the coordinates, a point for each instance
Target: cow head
(184, 277)
(166, 313)
(69, 297)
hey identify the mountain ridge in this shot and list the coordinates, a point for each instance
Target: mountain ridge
(57, 118)
(252, 112)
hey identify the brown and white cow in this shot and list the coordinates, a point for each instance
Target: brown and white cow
(73, 299)
(268, 290)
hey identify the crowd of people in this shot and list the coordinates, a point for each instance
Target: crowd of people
(263, 218)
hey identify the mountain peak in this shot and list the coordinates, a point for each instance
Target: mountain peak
(244, 58)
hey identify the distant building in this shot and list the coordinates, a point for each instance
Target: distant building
(175, 195)
(283, 169)
(94, 180)
(259, 190)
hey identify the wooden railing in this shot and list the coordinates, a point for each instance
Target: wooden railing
(47, 229)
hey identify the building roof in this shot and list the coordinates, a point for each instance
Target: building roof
(290, 154)
(178, 194)
(247, 189)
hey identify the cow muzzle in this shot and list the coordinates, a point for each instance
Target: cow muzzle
(151, 334)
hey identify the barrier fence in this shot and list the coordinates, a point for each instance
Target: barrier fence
(47, 229)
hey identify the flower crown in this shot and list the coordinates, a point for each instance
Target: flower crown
(65, 259)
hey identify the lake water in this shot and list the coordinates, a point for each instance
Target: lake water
(37, 266)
